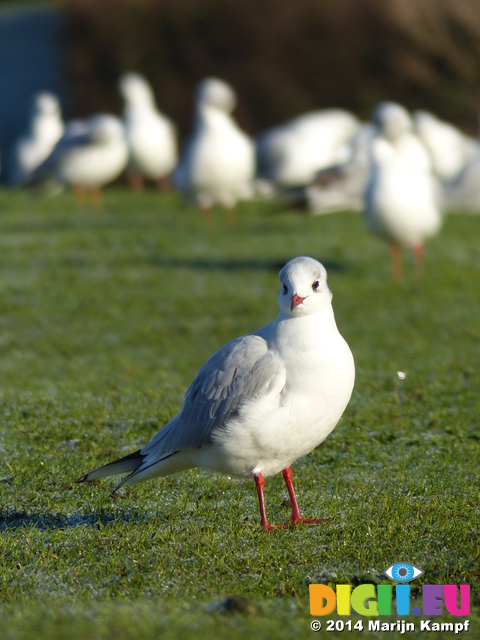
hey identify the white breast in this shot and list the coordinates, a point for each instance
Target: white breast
(401, 199)
(219, 162)
(301, 409)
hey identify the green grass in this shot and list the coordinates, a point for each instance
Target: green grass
(105, 316)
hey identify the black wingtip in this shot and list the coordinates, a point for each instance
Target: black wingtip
(84, 478)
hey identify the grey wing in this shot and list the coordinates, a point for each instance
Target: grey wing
(77, 134)
(243, 370)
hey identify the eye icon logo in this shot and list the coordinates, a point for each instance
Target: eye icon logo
(402, 572)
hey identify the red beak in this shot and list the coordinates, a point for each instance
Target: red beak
(296, 300)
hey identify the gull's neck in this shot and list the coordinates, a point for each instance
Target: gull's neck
(306, 332)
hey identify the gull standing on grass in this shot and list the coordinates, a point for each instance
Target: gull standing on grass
(261, 402)
(151, 136)
(217, 165)
(46, 127)
(402, 200)
(91, 153)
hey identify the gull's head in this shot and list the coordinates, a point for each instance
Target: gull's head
(213, 92)
(104, 129)
(135, 90)
(46, 104)
(392, 120)
(304, 289)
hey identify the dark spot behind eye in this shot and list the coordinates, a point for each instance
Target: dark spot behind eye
(315, 285)
(285, 288)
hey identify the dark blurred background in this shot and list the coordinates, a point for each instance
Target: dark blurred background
(282, 57)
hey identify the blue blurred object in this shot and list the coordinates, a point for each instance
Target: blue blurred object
(31, 55)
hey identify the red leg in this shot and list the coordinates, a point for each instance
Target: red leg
(163, 183)
(396, 256)
(96, 195)
(418, 254)
(207, 215)
(135, 180)
(79, 192)
(296, 515)
(287, 476)
(260, 481)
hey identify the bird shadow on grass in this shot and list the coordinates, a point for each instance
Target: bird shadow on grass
(12, 519)
(194, 264)
(233, 265)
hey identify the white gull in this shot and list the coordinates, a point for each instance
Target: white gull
(217, 165)
(151, 136)
(289, 155)
(342, 186)
(45, 129)
(449, 148)
(263, 400)
(402, 197)
(91, 153)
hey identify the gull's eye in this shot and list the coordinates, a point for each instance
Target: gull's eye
(403, 572)
(315, 285)
(285, 289)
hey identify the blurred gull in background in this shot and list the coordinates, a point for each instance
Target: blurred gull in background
(455, 161)
(91, 153)
(342, 186)
(45, 129)
(463, 193)
(401, 199)
(217, 165)
(290, 154)
(150, 135)
(394, 125)
(450, 149)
